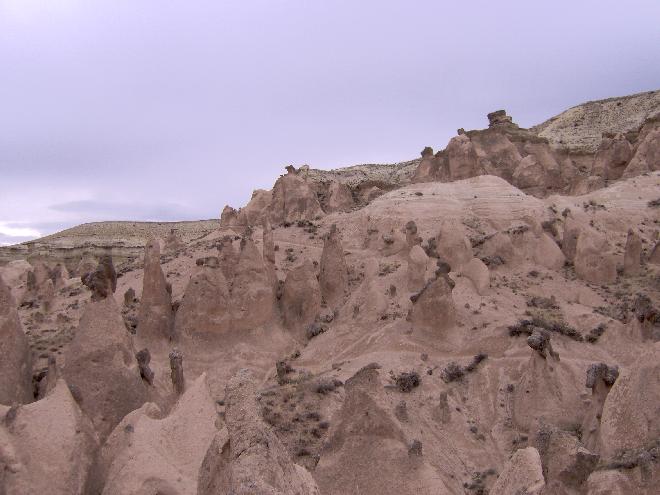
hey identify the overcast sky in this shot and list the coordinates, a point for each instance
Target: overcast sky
(168, 110)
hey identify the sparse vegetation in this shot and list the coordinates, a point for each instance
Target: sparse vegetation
(314, 329)
(326, 386)
(595, 333)
(526, 327)
(453, 371)
(406, 381)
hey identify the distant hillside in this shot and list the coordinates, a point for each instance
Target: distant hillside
(580, 128)
(123, 239)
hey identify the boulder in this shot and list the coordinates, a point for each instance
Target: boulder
(461, 158)
(544, 155)
(252, 292)
(301, 298)
(612, 157)
(333, 276)
(497, 154)
(572, 231)
(521, 474)
(609, 482)
(102, 281)
(100, 365)
(148, 453)
(173, 242)
(654, 256)
(205, 309)
(293, 200)
(15, 365)
(453, 246)
(268, 241)
(593, 263)
(339, 198)
(47, 446)
(250, 459)
(529, 174)
(155, 316)
(632, 257)
(477, 272)
(646, 157)
(15, 274)
(499, 247)
(427, 170)
(547, 253)
(566, 462)
(228, 217)
(499, 118)
(258, 206)
(392, 243)
(87, 263)
(548, 391)
(433, 308)
(227, 257)
(367, 448)
(417, 264)
(630, 412)
(412, 238)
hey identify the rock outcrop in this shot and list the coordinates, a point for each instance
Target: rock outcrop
(366, 448)
(252, 292)
(629, 418)
(155, 316)
(593, 263)
(229, 296)
(293, 199)
(647, 154)
(417, 264)
(566, 462)
(333, 276)
(48, 446)
(15, 364)
(301, 298)
(452, 246)
(149, 453)
(101, 367)
(548, 391)
(521, 474)
(477, 272)
(173, 242)
(338, 198)
(250, 460)
(527, 160)
(102, 281)
(433, 308)
(205, 309)
(654, 256)
(612, 157)
(632, 258)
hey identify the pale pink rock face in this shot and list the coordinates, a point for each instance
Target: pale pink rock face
(593, 263)
(15, 366)
(51, 446)
(333, 276)
(301, 298)
(100, 365)
(522, 474)
(156, 321)
(632, 257)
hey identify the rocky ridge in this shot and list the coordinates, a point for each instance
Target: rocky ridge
(457, 332)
